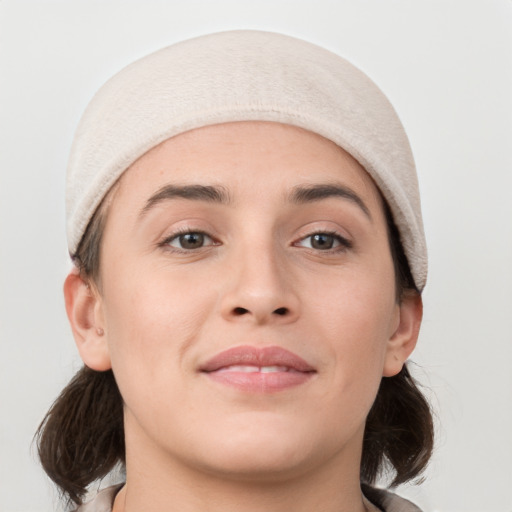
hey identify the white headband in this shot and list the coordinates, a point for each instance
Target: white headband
(243, 76)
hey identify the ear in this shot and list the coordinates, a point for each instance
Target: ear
(85, 315)
(404, 338)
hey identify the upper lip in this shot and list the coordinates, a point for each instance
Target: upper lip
(253, 356)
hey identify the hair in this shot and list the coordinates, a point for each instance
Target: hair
(399, 428)
(81, 438)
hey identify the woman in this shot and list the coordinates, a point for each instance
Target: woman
(244, 219)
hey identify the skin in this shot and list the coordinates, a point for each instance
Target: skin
(160, 311)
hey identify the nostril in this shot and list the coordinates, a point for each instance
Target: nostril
(240, 311)
(281, 311)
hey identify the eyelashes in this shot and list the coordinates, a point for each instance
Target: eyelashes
(190, 241)
(324, 241)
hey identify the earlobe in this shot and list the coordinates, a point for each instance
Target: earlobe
(84, 310)
(404, 338)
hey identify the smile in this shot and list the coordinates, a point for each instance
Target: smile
(258, 370)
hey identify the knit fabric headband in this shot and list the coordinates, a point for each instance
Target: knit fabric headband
(243, 76)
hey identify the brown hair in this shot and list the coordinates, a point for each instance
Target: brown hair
(399, 428)
(81, 438)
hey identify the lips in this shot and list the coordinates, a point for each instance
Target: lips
(252, 369)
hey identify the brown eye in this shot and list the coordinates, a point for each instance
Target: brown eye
(190, 241)
(324, 242)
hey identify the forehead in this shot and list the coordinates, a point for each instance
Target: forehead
(255, 154)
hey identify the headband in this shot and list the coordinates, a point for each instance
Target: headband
(243, 76)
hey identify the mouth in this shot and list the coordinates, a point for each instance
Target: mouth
(251, 369)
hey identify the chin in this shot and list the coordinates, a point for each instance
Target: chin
(257, 466)
(263, 450)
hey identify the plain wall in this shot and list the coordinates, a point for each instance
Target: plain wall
(446, 65)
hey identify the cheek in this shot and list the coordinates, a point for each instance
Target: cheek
(356, 318)
(151, 319)
(357, 306)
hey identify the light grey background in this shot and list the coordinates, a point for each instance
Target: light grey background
(446, 66)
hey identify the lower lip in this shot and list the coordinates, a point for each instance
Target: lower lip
(260, 382)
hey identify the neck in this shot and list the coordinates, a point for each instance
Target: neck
(239, 496)
(159, 483)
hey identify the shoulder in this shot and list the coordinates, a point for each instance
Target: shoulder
(388, 501)
(384, 500)
(102, 502)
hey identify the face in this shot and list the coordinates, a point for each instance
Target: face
(247, 302)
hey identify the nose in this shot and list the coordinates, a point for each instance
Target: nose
(260, 289)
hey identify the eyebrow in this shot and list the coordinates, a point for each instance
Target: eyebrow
(311, 193)
(301, 194)
(208, 193)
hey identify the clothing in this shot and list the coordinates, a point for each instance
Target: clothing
(384, 500)
(388, 501)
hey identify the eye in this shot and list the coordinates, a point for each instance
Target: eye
(189, 241)
(324, 241)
